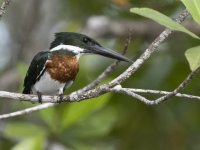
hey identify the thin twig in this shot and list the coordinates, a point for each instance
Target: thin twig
(167, 95)
(179, 88)
(27, 110)
(3, 7)
(148, 91)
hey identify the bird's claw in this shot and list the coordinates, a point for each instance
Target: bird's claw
(39, 97)
(60, 98)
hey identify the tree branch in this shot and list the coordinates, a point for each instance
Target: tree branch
(26, 111)
(148, 91)
(3, 7)
(74, 97)
(167, 95)
(118, 89)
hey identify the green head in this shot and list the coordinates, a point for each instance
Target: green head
(78, 44)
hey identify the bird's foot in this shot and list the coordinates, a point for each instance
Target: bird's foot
(60, 98)
(39, 97)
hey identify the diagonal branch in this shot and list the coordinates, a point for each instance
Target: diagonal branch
(148, 52)
(148, 91)
(27, 111)
(179, 88)
(3, 7)
(167, 95)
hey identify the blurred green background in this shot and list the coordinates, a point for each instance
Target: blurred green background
(112, 121)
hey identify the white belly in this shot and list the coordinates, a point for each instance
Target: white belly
(47, 85)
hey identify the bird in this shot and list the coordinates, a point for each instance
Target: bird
(52, 71)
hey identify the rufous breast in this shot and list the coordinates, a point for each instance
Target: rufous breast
(62, 68)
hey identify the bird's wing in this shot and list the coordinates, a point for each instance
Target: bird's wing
(35, 70)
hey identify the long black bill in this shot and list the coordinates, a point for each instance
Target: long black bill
(108, 53)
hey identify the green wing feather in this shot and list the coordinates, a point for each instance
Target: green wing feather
(35, 70)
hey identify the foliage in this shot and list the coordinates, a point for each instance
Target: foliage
(162, 19)
(193, 57)
(193, 7)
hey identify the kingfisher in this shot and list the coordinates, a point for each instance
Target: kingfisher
(51, 72)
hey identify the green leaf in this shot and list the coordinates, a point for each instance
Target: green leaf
(80, 110)
(33, 143)
(21, 130)
(193, 57)
(193, 6)
(162, 19)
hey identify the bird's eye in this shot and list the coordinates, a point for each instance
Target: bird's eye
(85, 40)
